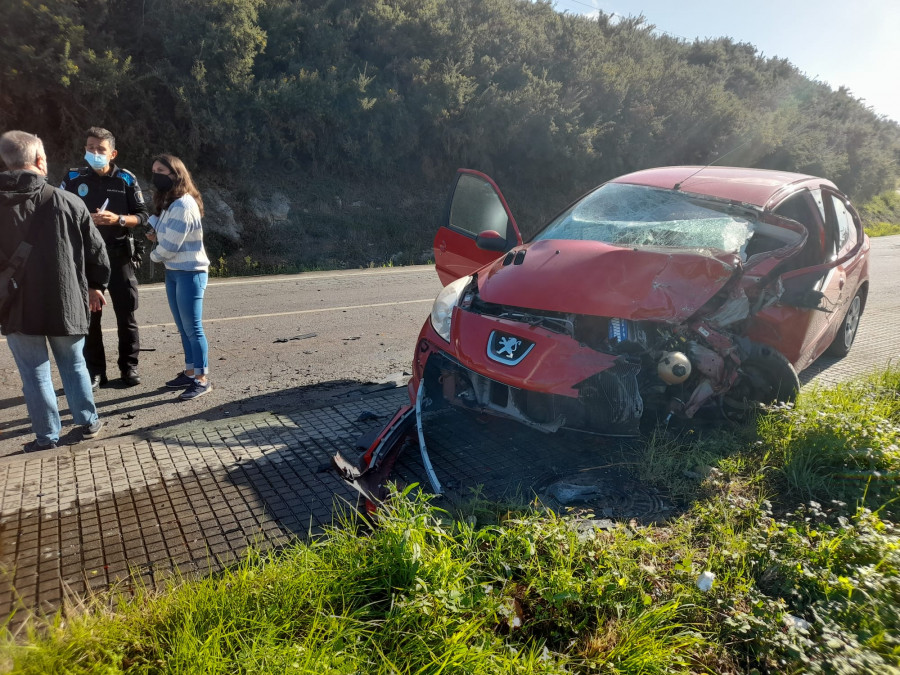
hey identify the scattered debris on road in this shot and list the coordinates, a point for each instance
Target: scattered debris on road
(305, 336)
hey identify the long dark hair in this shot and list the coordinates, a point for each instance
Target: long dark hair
(183, 184)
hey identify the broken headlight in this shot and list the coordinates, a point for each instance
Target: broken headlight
(442, 310)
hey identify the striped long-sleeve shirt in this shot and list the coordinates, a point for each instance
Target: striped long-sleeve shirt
(179, 237)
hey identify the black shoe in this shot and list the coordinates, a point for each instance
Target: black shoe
(92, 430)
(196, 390)
(34, 446)
(130, 377)
(181, 381)
(97, 380)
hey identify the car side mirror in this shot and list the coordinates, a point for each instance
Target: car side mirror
(490, 240)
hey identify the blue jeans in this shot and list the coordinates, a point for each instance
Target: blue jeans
(33, 361)
(185, 292)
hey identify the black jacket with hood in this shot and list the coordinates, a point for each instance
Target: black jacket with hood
(68, 257)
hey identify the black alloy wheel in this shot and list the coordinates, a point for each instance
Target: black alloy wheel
(849, 326)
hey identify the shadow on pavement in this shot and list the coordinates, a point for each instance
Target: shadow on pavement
(817, 367)
(143, 411)
(191, 496)
(484, 457)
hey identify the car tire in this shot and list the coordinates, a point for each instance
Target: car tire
(849, 327)
(766, 377)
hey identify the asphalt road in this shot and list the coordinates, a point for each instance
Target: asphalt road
(349, 329)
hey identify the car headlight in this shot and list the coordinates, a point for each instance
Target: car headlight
(442, 310)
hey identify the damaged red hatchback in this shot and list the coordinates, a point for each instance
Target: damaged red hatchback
(659, 294)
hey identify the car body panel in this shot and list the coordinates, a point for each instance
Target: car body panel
(759, 187)
(611, 281)
(802, 334)
(555, 365)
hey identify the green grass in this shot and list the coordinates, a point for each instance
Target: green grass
(795, 518)
(881, 214)
(882, 229)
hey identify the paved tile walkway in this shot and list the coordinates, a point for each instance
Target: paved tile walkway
(89, 516)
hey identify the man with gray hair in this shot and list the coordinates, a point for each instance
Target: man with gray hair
(55, 268)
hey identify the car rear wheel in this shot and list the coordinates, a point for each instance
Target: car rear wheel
(847, 332)
(766, 377)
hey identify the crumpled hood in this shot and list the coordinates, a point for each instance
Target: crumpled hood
(18, 186)
(587, 277)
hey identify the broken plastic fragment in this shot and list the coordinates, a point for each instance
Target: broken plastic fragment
(705, 581)
(305, 336)
(792, 621)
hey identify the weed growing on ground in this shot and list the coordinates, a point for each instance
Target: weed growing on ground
(882, 229)
(842, 443)
(881, 214)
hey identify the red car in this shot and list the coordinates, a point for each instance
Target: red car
(659, 294)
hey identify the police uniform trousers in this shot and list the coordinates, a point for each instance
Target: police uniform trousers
(123, 291)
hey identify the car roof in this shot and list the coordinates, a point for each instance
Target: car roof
(758, 187)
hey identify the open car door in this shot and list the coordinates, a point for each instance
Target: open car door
(817, 293)
(477, 229)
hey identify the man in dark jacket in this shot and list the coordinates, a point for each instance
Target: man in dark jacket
(113, 197)
(53, 292)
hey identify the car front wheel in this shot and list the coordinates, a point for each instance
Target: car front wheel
(847, 332)
(766, 377)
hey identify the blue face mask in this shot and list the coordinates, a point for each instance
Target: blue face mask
(96, 160)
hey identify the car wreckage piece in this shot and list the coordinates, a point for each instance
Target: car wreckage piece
(660, 294)
(369, 473)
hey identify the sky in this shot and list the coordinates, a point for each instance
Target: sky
(850, 43)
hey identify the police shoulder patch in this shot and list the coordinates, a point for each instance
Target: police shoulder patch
(126, 176)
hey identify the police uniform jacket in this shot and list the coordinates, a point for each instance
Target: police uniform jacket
(124, 193)
(67, 258)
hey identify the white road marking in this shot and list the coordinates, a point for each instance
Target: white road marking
(303, 276)
(319, 310)
(295, 312)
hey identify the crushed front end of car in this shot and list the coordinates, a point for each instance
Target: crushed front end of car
(602, 325)
(605, 375)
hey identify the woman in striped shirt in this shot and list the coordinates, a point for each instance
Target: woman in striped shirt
(178, 234)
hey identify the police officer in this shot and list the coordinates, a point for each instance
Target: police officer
(113, 197)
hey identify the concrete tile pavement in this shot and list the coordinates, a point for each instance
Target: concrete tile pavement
(91, 515)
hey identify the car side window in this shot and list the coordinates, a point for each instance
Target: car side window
(799, 207)
(477, 207)
(846, 227)
(820, 202)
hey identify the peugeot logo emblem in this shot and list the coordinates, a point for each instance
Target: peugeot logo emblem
(508, 346)
(507, 349)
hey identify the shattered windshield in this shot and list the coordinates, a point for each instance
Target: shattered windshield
(636, 216)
